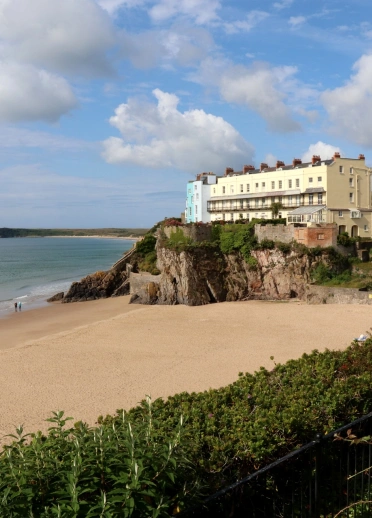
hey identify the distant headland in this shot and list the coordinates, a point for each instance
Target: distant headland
(129, 233)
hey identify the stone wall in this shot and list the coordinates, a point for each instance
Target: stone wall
(197, 233)
(318, 235)
(282, 233)
(322, 235)
(143, 287)
(325, 295)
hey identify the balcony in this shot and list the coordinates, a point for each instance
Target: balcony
(236, 207)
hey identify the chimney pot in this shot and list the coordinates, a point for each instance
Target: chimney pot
(263, 166)
(247, 168)
(296, 161)
(336, 155)
(279, 163)
(315, 159)
(361, 157)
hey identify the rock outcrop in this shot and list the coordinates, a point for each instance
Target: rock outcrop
(205, 275)
(104, 284)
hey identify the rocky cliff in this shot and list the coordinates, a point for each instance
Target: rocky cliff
(204, 275)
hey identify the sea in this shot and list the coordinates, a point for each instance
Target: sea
(34, 269)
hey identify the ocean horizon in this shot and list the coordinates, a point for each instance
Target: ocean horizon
(34, 269)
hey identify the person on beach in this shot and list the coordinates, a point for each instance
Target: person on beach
(15, 306)
(20, 306)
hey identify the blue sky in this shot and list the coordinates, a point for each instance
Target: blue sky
(108, 107)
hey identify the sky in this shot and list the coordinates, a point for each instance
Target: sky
(109, 107)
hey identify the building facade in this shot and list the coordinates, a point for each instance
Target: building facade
(198, 195)
(321, 191)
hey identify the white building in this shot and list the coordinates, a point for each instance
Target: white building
(198, 195)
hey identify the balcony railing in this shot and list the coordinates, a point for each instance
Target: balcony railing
(237, 207)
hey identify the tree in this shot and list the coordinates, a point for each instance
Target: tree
(276, 207)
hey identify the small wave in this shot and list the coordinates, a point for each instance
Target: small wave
(24, 287)
(22, 297)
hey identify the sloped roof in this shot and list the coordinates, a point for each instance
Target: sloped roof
(311, 209)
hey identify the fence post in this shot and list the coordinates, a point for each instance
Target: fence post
(318, 471)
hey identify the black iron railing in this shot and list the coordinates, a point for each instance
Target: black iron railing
(323, 479)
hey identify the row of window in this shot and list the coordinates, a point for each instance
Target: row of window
(274, 185)
(266, 202)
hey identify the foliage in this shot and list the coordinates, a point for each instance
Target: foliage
(345, 240)
(285, 248)
(238, 237)
(172, 222)
(267, 244)
(134, 464)
(276, 207)
(146, 245)
(148, 264)
(234, 430)
(178, 240)
(124, 469)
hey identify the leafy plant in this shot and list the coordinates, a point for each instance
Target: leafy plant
(124, 469)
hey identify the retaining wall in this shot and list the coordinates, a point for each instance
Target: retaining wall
(195, 232)
(325, 295)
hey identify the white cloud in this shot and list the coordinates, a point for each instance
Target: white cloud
(66, 36)
(112, 6)
(270, 160)
(248, 23)
(260, 87)
(179, 45)
(283, 4)
(29, 94)
(296, 21)
(350, 106)
(201, 11)
(325, 151)
(160, 135)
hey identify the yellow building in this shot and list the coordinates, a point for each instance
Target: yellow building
(324, 191)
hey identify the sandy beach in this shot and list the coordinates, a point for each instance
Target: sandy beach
(92, 358)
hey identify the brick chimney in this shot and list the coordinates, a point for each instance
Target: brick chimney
(315, 159)
(296, 161)
(361, 157)
(336, 155)
(228, 171)
(279, 163)
(263, 166)
(247, 168)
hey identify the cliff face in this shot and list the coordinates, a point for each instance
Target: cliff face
(204, 276)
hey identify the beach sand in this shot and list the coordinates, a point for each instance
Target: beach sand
(92, 358)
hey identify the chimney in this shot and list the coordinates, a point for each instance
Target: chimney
(279, 163)
(263, 166)
(361, 157)
(228, 171)
(296, 161)
(315, 159)
(247, 168)
(336, 155)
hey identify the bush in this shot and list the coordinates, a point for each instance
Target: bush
(124, 469)
(285, 248)
(266, 244)
(146, 245)
(345, 240)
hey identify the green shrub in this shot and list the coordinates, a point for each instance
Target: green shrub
(345, 240)
(178, 240)
(266, 244)
(148, 264)
(122, 469)
(146, 245)
(285, 248)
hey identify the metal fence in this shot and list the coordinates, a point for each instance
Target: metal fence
(323, 479)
